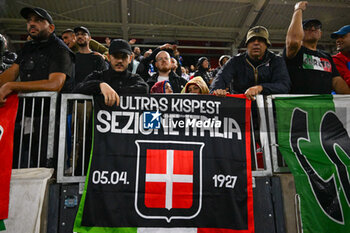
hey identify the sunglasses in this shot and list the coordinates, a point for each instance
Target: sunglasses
(309, 26)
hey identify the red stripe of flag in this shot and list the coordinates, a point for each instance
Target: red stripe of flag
(7, 122)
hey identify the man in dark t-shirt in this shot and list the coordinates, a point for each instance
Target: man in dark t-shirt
(86, 61)
(312, 71)
(44, 64)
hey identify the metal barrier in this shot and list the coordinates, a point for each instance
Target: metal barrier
(264, 139)
(32, 118)
(64, 175)
(278, 163)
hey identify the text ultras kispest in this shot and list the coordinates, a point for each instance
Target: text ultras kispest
(190, 116)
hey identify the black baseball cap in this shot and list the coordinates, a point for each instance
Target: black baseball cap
(82, 28)
(38, 11)
(119, 46)
(68, 30)
(315, 22)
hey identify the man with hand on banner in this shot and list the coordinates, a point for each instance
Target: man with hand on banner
(312, 71)
(257, 71)
(117, 79)
(44, 64)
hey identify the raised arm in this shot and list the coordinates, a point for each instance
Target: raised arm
(295, 33)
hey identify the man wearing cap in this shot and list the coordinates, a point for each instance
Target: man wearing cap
(69, 38)
(342, 59)
(85, 60)
(117, 80)
(44, 64)
(312, 71)
(257, 71)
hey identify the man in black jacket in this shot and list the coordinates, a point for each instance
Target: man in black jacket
(117, 80)
(257, 71)
(163, 65)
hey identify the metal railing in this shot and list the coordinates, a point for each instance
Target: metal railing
(278, 163)
(35, 126)
(67, 173)
(264, 139)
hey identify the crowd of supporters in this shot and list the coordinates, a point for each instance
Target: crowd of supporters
(73, 62)
(80, 60)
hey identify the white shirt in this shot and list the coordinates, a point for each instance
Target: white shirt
(163, 78)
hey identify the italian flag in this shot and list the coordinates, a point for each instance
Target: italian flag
(313, 137)
(311, 62)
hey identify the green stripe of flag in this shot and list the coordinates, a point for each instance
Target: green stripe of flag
(2, 225)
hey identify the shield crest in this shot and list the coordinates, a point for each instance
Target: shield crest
(168, 179)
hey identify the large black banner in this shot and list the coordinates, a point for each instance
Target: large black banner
(169, 161)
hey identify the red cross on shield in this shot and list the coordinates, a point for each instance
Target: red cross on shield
(168, 179)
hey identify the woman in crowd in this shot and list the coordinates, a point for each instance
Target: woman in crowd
(162, 87)
(196, 86)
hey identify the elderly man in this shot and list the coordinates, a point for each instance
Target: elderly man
(117, 79)
(44, 64)
(312, 71)
(342, 59)
(257, 71)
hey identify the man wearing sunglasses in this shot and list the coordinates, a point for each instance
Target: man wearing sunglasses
(312, 71)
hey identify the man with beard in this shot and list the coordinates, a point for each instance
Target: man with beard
(44, 64)
(85, 60)
(342, 59)
(163, 64)
(312, 71)
(69, 38)
(117, 80)
(257, 71)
